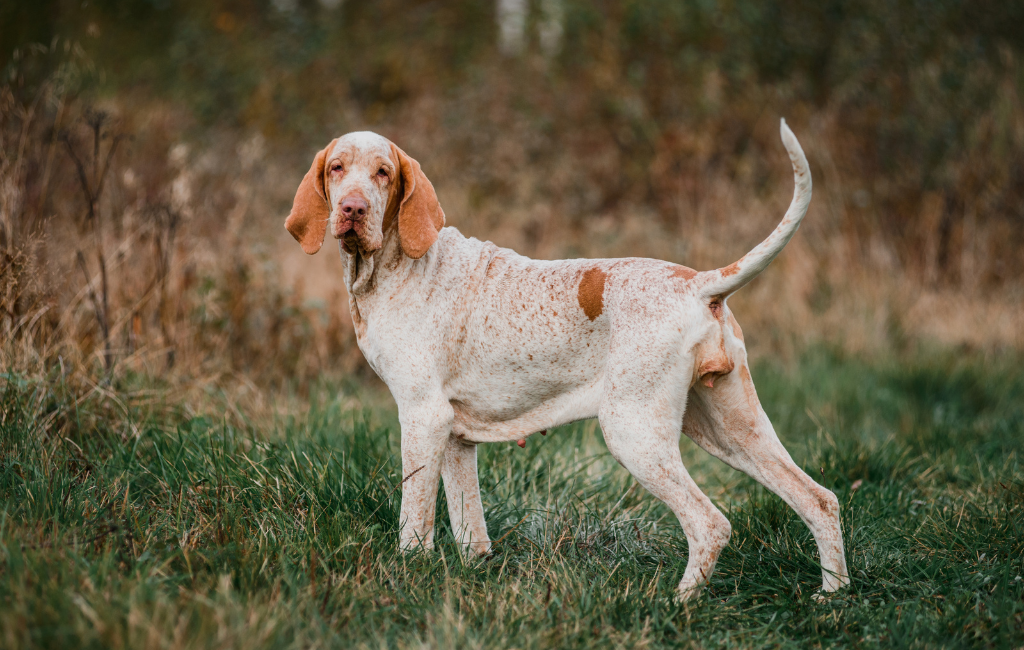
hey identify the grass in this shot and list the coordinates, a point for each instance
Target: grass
(126, 521)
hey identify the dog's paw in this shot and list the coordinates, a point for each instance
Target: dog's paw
(831, 585)
(833, 597)
(477, 552)
(686, 595)
(414, 546)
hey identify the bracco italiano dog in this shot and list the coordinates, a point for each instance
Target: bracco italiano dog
(480, 344)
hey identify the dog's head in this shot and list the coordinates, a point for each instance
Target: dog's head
(362, 187)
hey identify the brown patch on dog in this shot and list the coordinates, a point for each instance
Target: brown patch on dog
(714, 366)
(591, 292)
(732, 269)
(716, 308)
(826, 506)
(735, 327)
(683, 272)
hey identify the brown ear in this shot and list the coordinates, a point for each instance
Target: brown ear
(420, 216)
(310, 211)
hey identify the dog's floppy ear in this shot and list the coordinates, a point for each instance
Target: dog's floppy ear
(310, 211)
(420, 216)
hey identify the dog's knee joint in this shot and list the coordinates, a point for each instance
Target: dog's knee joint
(722, 531)
(828, 502)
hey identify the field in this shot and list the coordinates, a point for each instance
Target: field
(151, 523)
(194, 453)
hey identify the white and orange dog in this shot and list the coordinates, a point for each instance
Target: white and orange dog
(480, 344)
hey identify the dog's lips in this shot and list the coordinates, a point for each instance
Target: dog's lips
(344, 227)
(350, 241)
(351, 233)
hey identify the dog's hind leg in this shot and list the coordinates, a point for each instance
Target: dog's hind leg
(462, 490)
(727, 420)
(648, 446)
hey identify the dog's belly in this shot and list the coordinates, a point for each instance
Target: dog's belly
(507, 400)
(527, 378)
(476, 422)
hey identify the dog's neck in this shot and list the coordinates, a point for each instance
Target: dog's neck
(360, 269)
(367, 273)
(370, 275)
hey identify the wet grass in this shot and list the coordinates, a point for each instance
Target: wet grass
(139, 525)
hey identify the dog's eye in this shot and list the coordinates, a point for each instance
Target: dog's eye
(336, 167)
(382, 173)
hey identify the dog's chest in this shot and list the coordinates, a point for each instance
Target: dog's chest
(485, 330)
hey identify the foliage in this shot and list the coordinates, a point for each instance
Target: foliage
(127, 521)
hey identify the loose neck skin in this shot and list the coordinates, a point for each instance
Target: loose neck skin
(366, 272)
(361, 268)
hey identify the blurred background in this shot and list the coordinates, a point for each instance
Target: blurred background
(151, 148)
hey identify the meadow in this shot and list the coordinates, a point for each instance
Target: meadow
(127, 520)
(194, 453)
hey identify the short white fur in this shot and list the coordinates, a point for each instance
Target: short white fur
(479, 344)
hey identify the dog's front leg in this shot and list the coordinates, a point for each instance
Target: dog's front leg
(462, 487)
(425, 431)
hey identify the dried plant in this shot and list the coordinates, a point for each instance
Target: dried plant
(188, 275)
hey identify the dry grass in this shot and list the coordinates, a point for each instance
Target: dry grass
(170, 261)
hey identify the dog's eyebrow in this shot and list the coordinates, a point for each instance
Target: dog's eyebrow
(343, 155)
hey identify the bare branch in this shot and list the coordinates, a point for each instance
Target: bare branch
(80, 168)
(106, 164)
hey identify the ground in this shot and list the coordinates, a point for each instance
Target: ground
(144, 524)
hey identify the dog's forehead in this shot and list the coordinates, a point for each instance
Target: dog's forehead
(363, 145)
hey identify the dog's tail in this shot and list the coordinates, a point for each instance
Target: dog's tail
(725, 281)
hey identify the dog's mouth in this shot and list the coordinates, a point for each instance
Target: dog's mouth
(350, 242)
(349, 231)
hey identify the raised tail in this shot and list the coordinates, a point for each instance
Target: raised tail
(727, 280)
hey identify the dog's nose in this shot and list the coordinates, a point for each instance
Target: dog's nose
(353, 207)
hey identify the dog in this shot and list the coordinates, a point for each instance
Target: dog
(479, 344)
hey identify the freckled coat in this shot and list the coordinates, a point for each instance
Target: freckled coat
(517, 345)
(479, 344)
